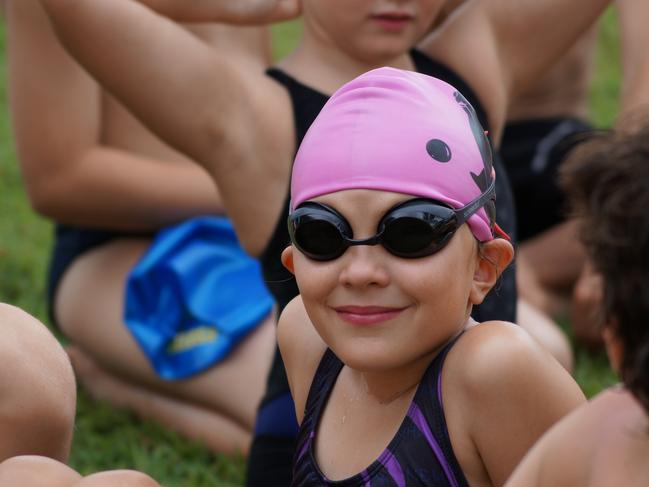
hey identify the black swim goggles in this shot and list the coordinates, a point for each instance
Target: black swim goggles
(415, 228)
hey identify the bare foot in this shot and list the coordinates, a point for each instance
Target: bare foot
(215, 430)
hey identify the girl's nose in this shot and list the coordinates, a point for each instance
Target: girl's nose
(363, 266)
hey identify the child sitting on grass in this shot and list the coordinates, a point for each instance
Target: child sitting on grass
(606, 442)
(392, 224)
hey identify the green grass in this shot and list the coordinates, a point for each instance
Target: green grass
(106, 438)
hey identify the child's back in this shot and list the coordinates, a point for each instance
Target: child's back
(602, 444)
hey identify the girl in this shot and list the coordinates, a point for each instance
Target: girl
(393, 230)
(245, 128)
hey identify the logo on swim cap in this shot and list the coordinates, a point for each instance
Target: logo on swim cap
(439, 150)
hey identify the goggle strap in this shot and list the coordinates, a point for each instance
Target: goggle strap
(468, 210)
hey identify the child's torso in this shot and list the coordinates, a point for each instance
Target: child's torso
(414, 450)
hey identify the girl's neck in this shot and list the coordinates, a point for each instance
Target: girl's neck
(325, 67)
(388, 385)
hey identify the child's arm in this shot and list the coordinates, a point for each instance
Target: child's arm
(514, 390)
(634, 40)
(196, 99)
(179, 86)
(501, 47)
(70, 174)
(301, 348)
(530, 35)
(245, 13)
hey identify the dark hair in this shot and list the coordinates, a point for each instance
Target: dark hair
(607, 184)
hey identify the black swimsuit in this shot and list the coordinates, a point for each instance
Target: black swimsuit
(533, 151)
(420, 454)
(273, 444)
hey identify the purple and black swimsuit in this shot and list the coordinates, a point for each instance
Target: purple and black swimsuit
(420, 454)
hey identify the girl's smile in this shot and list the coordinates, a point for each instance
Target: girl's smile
(367, 315)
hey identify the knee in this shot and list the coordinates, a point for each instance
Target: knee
(131, 478)
(39, 394)
(32, 469)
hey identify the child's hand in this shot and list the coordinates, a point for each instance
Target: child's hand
(240, 12)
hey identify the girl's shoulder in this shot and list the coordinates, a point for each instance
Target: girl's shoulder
(502, 392)
(491, 355)
(493, 345)
(499, 353)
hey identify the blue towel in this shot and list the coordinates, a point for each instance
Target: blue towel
(193, 296)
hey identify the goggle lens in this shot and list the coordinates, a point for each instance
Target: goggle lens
(319, 239)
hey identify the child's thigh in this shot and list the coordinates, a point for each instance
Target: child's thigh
(89, 308)
(90, 301)
(555, 256)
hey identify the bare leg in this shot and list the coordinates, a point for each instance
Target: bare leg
(38, 400)
(35, 471)
(548, 267)
(586, 305)
(545, 332)
(89, 307)
(214, 430)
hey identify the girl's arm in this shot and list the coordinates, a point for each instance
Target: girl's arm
(69, 175)
(515, 391)
(235, 123)
(570, 453)
(301, 348)
(560, 457)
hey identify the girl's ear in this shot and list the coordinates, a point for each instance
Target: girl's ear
(287, 259)
(493, 258)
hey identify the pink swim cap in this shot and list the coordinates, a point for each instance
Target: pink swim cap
(399, 131)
